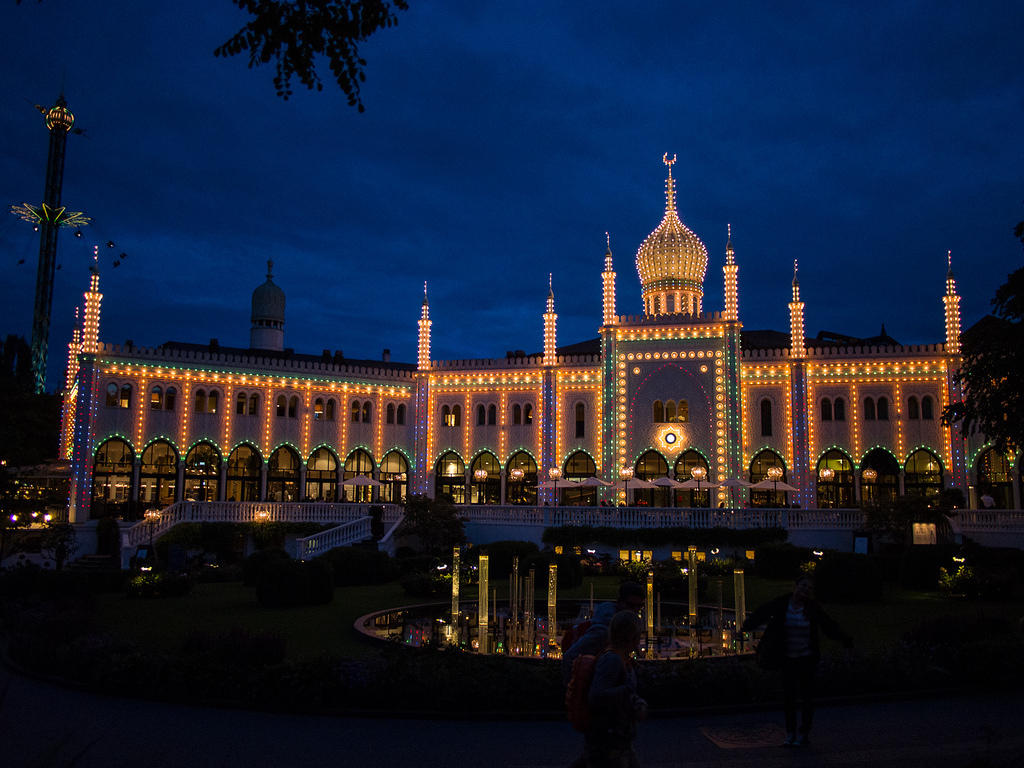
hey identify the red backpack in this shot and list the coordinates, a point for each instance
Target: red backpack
(574, 633)
(577, 694)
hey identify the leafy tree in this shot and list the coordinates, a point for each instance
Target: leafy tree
(294, 34)
(991, 371)
(434, 523)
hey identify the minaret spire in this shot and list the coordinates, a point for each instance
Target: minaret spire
(952, 304)
(796, 319)
(423, 363)
(731, 271)
(550, 323)
(608, 284)
(93, 298)
(670, 183)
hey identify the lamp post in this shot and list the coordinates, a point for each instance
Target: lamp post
(870, 475)
(626, 473)
(827, 475)
(555, 474)
(698, 473)
(775, 474)
(480, 475)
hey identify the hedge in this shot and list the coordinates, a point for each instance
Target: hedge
(625, 538)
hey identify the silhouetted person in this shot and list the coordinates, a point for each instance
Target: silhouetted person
(793, 624)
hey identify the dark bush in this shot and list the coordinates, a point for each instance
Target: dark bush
(648, 538)
(919, 566)
(410, 562)
(287, 583)
(843, 577)
(159, 584)
(356, 566)
(256, 563)
(500, 554)
(108, 537)
(426, 584)
(780, 561)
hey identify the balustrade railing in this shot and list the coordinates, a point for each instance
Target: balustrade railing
(309, 547)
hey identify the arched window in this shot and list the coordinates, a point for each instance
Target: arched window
(450, 477)
(650, 467)
(528, 413)
(293, 407)
(522, 491)
(884, 486)
(400, 415)
(869, 409)
(282, 406)
(446, 416)
(240, 403)
(670, 411)
(318, 409)
(517, 414)
(283, 475)
(367, 412)
(111, 401)
(835, 491)
(692, 497)
(492, 415)
(759, 466)
(156, 399)
(394, 477)
(658, 412)
(169, 397)
(254, 404)
(200, 401)
(839, 409)
(995, 480)
(826, 409)
(112, 478)
(579, 466)
(581, 413)
(883, 409)
(922, 474)
(358, 464)
(456, 415)
(913, 410)
(202, 473)
(487, 490)
(244, 465)
(927, 408)
(390, 413)
(481, 415)
(158, 475)
(766, 417)
(322, 475)
(126, 396)
(212, 401)
(356, 411)
(683, 412)
(329, 409)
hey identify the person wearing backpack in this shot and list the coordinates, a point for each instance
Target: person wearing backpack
(592, 637)
(615, 706)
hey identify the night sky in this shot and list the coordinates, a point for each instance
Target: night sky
(500, 142)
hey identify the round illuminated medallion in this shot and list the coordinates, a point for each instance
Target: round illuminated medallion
(670, 438)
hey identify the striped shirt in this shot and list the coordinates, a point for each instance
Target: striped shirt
(798, 632)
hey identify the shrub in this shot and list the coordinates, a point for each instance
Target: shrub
(159, 584)
(780, 561)
(500, 554)
(847, 578)
(426, 584)
(108, 537)
(287, 583)
(919, 566)
(356, 566)
(256, 563)
(647, 538)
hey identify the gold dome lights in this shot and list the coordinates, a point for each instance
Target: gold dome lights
(672, 261)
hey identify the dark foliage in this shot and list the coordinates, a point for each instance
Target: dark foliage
(355, 566)
(159, 584)
(433, 524)
(108, 537)
(428, 583)
(254, 566)
(842, 577)
(780, 561)
(295, 34)
(993, 363)
(288, 583)
(628, 538)
(28, 422)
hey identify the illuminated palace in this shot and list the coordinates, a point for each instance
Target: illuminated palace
(676, 392)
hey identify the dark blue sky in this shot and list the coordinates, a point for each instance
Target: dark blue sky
(500, 141)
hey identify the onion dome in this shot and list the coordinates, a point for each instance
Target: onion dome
(672, 262)
(267, 314)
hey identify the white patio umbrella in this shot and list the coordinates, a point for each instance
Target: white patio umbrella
(667, 482)
(362, 480)
(559, 483)
(732, 484)
(637, 482)
(593, 482)
(773, 485)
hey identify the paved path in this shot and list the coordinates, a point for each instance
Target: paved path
(44, 726)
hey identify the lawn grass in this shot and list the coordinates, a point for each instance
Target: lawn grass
(162, 624)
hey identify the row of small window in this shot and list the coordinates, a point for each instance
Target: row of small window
(451, 416)
(878, 410)
(671, 411)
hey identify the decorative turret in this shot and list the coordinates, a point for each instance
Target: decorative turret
(952, 303)
(672, 262)
(796, 320)
(424, 347)
(731, 271)
(608, 283)
(550, 321)
(93, 298)
(267, 315)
